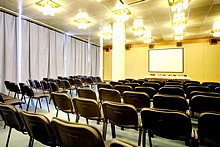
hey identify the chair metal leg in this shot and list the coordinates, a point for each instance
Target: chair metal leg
(9, 134)
(149, 137)
(36, 106)
(144, 138)
(31, 142)
(68, 116)
(47, 104)
(104, 130)
(39, 103)
(28, 104)
(139, 137)
(113, 130)
(77, 118)
(57, 113)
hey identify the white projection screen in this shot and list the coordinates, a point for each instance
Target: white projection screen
(166, 60)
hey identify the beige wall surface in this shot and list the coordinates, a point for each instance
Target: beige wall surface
(201, 61)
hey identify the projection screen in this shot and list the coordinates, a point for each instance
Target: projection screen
(166, 60)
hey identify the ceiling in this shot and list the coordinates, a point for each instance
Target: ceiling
(155, 14)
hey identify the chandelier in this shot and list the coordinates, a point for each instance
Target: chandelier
(147, 36)
(178, 5)
(107, 32)
(179, 25)
(82, 20)
(138, 27)
(48, 7)
(216, 29)
(121, 12)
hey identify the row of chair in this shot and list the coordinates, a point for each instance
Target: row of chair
(58, 132)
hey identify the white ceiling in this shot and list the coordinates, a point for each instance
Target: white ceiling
(155, 13)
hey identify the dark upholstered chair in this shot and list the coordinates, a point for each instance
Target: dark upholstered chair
(155, 85)
(124, 81)
(55, 88)
(5, 99)
(104, 85)
(87, 108)
(123, 88)
(137, 99)
(173, 102)
(12, 119)
(67, 86)
(172, 91)
(208, 129)
(133, 85)
(168, 124)
(113, 83)
(30, 93)
(87, 93)
(122, 115)
(45, 86)
(148, 90)
(63, 102)
(196, 88)
(109, 95)
(138, 81)
(39, 128)
(71, 134)
(203, 103)
(8, 86)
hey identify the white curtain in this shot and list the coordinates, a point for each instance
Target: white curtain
(25, 48)
(8, 49)
(37, 52)
(70, 56)
(43, 52)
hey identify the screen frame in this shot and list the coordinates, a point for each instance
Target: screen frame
(182, 71)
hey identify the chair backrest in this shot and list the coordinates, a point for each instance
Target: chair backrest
(66, 84)
(138, 99)
(29, 91)
(120, 114)
(44, 85)
(173, 102)
(203, 103)
(87, 108)
(21, 85)
(97, 80)
(37, 84)
(72, 134)
(155, 85)
(210, 83)
(172, 91)
(193, 93)
(166, 124)
(191, 81)
(197, 88)
(53, 86)
(104, 85)
(15, 87)
(11, 117)
(113, 83)
(63, 102)
(124, 81)
(156, 81)
(208, 129)
(123, 88)
(148, 90)
(39, 128)
(87, 93)
(109, 95)
(30, 83)
(138, 81)
(133, 85)
(8, 85)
